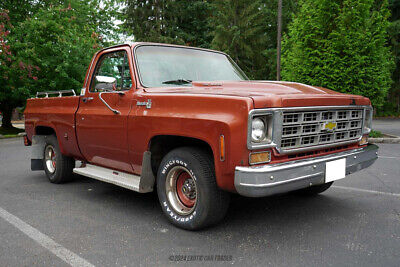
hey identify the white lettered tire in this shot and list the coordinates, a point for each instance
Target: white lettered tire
(58, 168)
(187, 189)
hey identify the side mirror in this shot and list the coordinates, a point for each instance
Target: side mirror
(105, 83)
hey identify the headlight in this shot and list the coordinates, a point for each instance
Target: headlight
(368, 120)
(258, 130)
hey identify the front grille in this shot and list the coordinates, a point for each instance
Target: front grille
(302, 129)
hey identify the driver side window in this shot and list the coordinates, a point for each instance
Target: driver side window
(112, 73)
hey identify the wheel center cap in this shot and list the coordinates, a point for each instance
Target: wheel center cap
(188, 189)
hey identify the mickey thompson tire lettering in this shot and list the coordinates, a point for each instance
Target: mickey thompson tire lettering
(211, 203)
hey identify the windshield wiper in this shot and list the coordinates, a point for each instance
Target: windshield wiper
(178, 81)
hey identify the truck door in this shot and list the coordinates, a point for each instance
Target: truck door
(102, 127)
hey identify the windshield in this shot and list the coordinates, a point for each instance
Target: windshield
(175, 66)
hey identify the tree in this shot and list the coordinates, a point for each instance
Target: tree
(50, 47)
(60, 43)
(13, 73)
(147, 21)
(19, 10)
(168, 21)
(239, 31)
(394, 41)
(244, 29)
(191, 22)
(270, 31)
(340, 45)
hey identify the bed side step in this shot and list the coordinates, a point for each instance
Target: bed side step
(126, 180)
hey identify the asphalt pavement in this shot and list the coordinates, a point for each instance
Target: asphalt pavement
(87, 222)
(387, 126)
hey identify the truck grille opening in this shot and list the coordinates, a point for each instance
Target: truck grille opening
(302, 129)
(316, 152)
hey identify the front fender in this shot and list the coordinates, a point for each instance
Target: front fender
(201, 117)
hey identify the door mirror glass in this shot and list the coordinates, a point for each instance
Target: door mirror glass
(105, 83)
(105, 79)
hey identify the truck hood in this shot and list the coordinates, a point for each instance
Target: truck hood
(267, 94)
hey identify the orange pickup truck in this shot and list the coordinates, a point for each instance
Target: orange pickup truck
(189, 122)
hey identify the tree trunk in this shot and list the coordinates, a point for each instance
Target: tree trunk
(279, 41)
(6, 121)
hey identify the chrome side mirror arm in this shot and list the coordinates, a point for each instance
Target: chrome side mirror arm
(107, 105)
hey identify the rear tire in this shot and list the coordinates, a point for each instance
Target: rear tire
(58, 168)
(315, 189)
(187, 189)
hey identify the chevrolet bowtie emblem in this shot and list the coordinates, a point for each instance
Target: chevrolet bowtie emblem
(329, 126)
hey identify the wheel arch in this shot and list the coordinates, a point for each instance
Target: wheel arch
(160, 145)
(42, 130)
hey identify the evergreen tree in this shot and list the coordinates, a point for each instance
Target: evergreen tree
(340, 45)
(239, 31)
(271, 31)
(168, 21)
(393, 105)
(145, 19)
(191, 22)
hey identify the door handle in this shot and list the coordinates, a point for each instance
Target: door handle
(87, 99)
(107, 105)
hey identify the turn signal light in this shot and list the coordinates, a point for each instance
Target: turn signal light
(364, 140)
(259, 157)
(222, 147)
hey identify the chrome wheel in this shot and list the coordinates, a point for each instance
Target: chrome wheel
(181, 190)
(50, 158)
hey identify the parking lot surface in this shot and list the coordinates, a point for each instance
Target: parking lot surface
(387, 126)
(87, 222)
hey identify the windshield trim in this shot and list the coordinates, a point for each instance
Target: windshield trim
(182, 47)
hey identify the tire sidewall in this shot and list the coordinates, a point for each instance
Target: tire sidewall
(197, 217)
(53, 177)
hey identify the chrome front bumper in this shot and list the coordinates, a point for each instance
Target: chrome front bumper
(270, 179)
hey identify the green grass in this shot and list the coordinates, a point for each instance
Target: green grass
(375, 134)
(10, 132)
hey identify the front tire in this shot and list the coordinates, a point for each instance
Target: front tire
(187, 189)
(58, 168)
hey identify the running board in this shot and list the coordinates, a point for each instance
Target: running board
(126, 180)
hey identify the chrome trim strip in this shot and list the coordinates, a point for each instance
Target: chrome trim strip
(60, 93)
(282, 182)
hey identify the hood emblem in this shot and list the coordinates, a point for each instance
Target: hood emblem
(329, 126)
